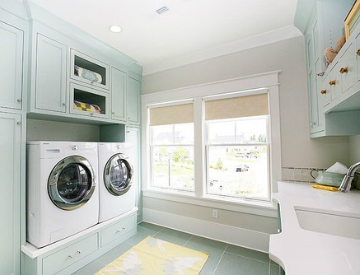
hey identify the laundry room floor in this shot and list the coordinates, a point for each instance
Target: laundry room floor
(225, 259)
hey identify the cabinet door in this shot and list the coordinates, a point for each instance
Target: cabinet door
(50, 75)
(118, 95)
(133, 137)
(10, 193)
(313, 102)
(11, 66)
(133, 101)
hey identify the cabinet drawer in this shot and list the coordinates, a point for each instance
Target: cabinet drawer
(347, 69)
(334, 82)
(325, 93)
(117, 230)
(69, 255)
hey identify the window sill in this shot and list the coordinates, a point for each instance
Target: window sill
(261, 208)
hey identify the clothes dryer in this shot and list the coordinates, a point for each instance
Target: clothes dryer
(117, 186)
(62, 191)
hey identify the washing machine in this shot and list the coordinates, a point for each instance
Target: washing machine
(117, 186)
(62, 190)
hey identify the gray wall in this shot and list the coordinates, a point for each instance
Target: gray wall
(60, 131)
(298, 150)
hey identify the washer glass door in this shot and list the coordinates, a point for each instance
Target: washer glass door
(118, 174)
(71, 183)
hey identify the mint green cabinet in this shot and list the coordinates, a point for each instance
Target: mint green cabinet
(11, 65)
(10, 199)
(133, 101)
(118, 95)
(133, 136)
(51, 80)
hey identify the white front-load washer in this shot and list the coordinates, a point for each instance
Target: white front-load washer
(117, 186)
(62, 191)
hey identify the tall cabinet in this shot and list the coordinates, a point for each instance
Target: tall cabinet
(133, 137)
(13, 37)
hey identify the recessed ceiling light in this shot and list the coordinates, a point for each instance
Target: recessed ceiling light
(115, 28)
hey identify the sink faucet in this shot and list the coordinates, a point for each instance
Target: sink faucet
(348, 178)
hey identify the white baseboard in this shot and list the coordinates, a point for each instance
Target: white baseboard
(225, 233)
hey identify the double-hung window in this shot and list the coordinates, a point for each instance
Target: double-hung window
(172, 146)
(237, 146)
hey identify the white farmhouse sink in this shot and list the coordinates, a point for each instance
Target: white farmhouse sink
(339, 224)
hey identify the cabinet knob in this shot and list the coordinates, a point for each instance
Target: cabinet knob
(18, 123)
(19, 100)
(323, 92)
(313, 124)
(332, 82)
(358, 52)
(344, 70)
(63, 104)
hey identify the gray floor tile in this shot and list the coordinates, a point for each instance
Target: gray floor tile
(274, 269)
(114, 253)
(91, 268)
(232, 264)
(213, 248)
(150, 226)
(241, 251)
(173, 236)
(141, 234)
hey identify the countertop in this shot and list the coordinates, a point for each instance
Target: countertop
(303, 252)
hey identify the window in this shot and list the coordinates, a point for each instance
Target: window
(172, 147)
(227, 135)
(237, 148)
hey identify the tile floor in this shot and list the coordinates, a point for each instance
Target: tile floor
(225, 259)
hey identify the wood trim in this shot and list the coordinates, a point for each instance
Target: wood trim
(349, 18)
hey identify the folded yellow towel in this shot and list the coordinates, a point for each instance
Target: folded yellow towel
(324, 187)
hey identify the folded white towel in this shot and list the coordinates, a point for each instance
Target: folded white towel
(338, 168)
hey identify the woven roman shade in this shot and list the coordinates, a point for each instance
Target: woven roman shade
(174, 114)
(235, 107)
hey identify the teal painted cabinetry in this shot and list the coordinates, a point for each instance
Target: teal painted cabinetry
(334, 105)
(133, 101)
(50, 86)
(313, 63)
(10, 196)
(118, 95)
(67, 256)
(133, 136)
(11, 65)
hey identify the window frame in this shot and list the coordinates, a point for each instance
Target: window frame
(197, 94)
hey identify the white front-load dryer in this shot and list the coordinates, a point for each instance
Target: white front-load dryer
(117, 186)
(62, 190)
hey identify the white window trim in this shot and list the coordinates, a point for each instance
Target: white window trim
(197, 94)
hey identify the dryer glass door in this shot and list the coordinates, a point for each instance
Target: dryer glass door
(71, 183)
(118, 174)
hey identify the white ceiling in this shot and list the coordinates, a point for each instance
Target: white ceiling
(188, 29)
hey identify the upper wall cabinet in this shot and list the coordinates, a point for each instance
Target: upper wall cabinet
(118, 95)
(74, 81)
(133, 101)
(322, 22)
(89, 70)
(11, 66)
(50, 86)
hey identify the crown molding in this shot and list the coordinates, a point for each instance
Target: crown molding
(236, 46)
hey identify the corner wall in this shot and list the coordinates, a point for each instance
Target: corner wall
(298, 150)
